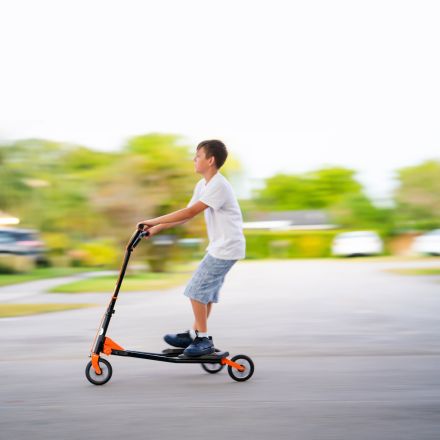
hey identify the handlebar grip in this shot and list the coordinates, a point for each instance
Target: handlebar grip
(139, 238)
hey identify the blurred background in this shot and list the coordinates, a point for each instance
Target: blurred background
(66, 205)
(329, 112)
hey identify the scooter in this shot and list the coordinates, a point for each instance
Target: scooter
(99, 370)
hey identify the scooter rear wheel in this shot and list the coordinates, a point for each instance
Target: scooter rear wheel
(212, 368)
(99, 379)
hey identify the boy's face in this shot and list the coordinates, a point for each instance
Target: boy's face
(201, 163)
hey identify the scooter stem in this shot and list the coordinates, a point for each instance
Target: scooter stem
(134, 241)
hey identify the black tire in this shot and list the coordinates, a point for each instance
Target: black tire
(99, 379)
(213, 368)
(241, 376)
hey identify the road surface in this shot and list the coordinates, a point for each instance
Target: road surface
(343, 349)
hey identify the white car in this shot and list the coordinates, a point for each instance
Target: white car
(428, 243)
(350, 244)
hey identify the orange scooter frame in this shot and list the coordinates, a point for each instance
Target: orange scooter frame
(99, 370)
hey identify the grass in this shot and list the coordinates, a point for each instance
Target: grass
(40, 273)
(131, 283)
(417, 271)
(12, 310)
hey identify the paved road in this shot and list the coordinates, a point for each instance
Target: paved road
(343, 350)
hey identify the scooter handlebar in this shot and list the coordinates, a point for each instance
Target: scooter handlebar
(137, 237)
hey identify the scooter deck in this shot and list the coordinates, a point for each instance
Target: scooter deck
(178, 352)
(211, 357)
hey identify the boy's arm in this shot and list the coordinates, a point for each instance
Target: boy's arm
(158, 228)
(180, 216)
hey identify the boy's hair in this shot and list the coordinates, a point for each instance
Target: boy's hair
(214, 148)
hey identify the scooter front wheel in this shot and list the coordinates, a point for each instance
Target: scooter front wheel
(244, 361)
(99, 379)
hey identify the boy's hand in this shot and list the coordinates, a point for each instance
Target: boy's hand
(143, 225)
(152, 231)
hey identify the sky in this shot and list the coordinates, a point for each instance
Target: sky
(290, 86)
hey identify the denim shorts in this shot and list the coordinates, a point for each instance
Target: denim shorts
(205, 284)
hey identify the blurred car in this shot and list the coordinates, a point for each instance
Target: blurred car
(23, 242)
(357, 243)
(428, 243)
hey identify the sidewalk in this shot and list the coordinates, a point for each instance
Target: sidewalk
(37, 291)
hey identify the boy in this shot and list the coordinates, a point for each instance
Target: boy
(215, 197)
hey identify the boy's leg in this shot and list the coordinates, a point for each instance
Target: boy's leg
(201, 316)
(208, 311)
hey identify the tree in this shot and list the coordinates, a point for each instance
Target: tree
(75, 194)
(152, 176)
(47, 185)
(418, 195)
(314, 190)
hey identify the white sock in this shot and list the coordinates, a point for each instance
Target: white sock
(193, 334)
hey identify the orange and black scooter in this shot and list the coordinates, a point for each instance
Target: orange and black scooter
(99, 370)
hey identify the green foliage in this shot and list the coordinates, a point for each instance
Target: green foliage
(57, 242)
(334, 190)
(132, 282)
(98, 253)
(45, 188)
(39, 273)
(418, 195)
(152, 176)
(289, 244)
(357, 211)
(10, 310)
(73, 194)
(77, 196)
(314, 190)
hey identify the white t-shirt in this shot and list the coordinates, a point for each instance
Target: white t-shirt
(223, 218)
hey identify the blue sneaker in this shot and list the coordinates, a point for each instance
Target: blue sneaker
(200, 346)
(181, 340)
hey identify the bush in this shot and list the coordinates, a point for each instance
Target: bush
(57, 242)
(161, 250)
(99, 253)
(289, 244)
(10, 263)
